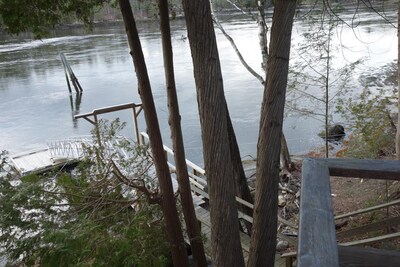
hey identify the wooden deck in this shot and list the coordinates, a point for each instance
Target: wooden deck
(39, 160)
(57, 154)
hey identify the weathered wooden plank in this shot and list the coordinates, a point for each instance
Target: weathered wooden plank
(364, 168)
(372, 240)
(108, 110)
(369, 227)
(317, 236)
(377, 207)
(34, 161)
(360, 257)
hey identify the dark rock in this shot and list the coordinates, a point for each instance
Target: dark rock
(335, 133)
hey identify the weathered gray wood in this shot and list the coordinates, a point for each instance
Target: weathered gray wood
(358, 257)
(377, 207)
(372, 240)
(108, 110)
(370, 227)
(68, 69)
(38, 161)
(317, 236)
(367, 257)
(364, 168)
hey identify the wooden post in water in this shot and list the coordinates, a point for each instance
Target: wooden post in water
(68, 72)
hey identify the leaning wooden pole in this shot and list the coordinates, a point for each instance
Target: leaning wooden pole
(192, 225)
(168, 203)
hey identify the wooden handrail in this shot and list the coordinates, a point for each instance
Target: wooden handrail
(196, 180)
(108, 110)
(361, 211)
(317, 234)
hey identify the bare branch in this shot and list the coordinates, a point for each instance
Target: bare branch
(152, 197)
(229, 38)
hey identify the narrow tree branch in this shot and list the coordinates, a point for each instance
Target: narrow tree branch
(229, 38)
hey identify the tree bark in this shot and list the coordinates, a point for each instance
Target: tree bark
(241, 186)
(192, 226)
(286, 162)
(263, 239)
(398, 81)
(262, 33)
(168, 204)
(225, 239)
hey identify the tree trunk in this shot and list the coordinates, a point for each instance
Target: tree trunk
(225, 239)
(398, 86)
(263, 239)
(192, 225)
(286, 162)
(262, 33)
(168, 204)
(242, 188)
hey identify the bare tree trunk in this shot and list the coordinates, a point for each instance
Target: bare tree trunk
(262, 33)
(225, 239)
(192, 225)
(263, 239)
(398, 86)
(168, 204)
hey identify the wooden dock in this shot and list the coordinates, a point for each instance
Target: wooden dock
(56, 154)
(39, 160)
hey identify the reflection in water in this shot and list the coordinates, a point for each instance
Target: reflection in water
(75, 107)
(34, 99)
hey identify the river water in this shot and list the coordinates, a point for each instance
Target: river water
(36, 106)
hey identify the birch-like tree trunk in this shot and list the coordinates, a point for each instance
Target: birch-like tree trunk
(265, 216)
(192, 226)
(168, 204)
(262, 33)
(225, 239)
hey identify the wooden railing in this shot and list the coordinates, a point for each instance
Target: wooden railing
(136, 109)
(317, 245)
(198, 182)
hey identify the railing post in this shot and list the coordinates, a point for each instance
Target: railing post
(317, 234)
(135, 124)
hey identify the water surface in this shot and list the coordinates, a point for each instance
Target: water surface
(36, 107)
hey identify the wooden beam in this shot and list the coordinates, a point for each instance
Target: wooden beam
(371, 257)
(317, 235)
(377, 207)
(369, 227)
(358, 257)
(372, 240)
(108, 110)
(364, 168)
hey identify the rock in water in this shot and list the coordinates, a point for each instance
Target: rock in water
(335, 133)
